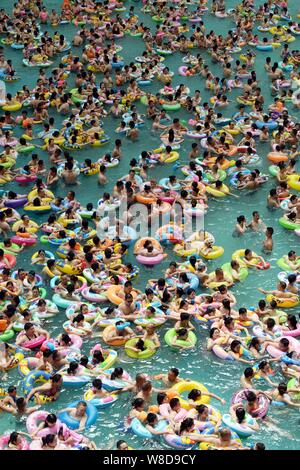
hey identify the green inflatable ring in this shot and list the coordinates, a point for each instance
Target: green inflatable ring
(44, 239)
(164, 52)
(8, 165)
(25, 148)
(283, 265)
(43, 295)
(13, 245)
(18, 326)
(273, 170)
(171, 334)
(171, 107)
(279, 314)
(136, 35)
(221, 176)
(157, 19)
(148, 352)
(228, 270)
(292, 384)
(75, 98)
(144, 100)
(288, 224)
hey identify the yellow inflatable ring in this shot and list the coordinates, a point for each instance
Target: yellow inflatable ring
(195, 247)
(13, 106)
(215, 192)
(48, 273)
(32, 227)
(178, 389)
(286, 303)
(68, 269)
(216, 253)
(239, 254)
(48, 195)
(32, 208)
(294, 182)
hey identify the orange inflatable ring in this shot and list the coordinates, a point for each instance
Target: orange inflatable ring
(140, 244)
(24, 234)
(277, 157)
(201, 187)
(232, 151)
(113, 294)
(112, 342)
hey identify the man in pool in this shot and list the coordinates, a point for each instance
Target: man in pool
(171, 378)
(79, 413)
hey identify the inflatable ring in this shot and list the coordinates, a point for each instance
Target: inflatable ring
(34, 378)
(69, 328)
(171, 334)
(215, 192)
(74, 423)
(239, 254)
(141, 431)
(288, 224)
(216, 253)
(148, 352)
(242, 430)
(294, 182)
(263, 402)
(48, 254)
(112, 294)
(99, 402)
(283, 303)
(182, 387)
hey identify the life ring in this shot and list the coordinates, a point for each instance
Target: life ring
(283, 303)
(113, 342)
(4, 441)
(263, 402)
(104, 402)
(277, 157)
(113, 297)
(74, 423)
(217, 251)
(33, 343)
(30, 381)
(294, 182)
(69, 328)
(171, 334)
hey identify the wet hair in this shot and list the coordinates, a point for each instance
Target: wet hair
(240, 415)
(48, 439)
(137, 402)
(161, 397)
(194, 394)
(248, 372)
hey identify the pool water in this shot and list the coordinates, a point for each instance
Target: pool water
(220, 377)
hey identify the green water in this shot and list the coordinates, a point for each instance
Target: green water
(220, 377)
